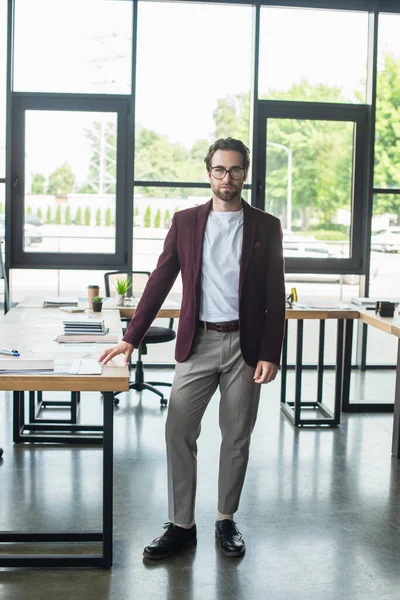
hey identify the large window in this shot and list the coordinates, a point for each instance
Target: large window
(193, 86)
(73, 46)
(70, 181)
(313, 55)
(3, 54)
(387, 129)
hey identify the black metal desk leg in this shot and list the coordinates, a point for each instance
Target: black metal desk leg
(108, 415)
(396, 415)
(348, 344)
(299, 371)
(321, 350)
(284, 364)
(339, 370)
(18, 416)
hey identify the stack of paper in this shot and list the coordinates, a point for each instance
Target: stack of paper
(57, 302)
(85, 327)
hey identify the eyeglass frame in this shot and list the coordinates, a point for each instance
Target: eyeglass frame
(227, 171)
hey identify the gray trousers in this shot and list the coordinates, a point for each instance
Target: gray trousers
(216, 359)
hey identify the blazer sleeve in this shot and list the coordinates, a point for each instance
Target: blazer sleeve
(158, 286)
(274, 324)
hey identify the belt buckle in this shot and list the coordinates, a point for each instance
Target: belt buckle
(218, 326)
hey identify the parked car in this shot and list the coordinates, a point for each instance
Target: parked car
(386, 240)
(32, 234)
(307, 247)
(32, 220)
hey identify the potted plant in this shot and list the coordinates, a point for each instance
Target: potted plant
(122, 285)
(97, 302)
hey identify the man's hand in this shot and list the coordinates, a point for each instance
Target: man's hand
(265, 372)
(121, 348)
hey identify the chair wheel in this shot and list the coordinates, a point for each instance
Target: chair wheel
(163, 402)
(116, 401)
(1, 452)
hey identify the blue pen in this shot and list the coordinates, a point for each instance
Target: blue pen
(9, 352)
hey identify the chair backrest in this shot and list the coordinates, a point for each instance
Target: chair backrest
(3, 275)
(138, 278)
(139, 281)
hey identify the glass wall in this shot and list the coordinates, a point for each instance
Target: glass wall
(70, 181)
(3, 62)
(387, 129)
(313, 55)
(190, 89)
(73, 46)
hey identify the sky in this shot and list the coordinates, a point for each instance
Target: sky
(189, 55)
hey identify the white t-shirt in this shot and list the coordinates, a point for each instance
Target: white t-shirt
(222, 249)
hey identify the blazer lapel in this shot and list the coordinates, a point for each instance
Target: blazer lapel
(249, 235)
(199, 226)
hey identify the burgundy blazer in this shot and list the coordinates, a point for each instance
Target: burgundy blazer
(261, 284)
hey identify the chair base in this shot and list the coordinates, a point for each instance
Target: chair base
(139, 386)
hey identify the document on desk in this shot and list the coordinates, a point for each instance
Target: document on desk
(26, 366)
(108, 338)
(78, 366)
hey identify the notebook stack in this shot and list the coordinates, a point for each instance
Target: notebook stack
(57, 302)
(85, 327)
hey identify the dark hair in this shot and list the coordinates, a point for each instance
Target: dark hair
(229, 144)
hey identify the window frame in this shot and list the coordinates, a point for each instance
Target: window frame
(23, 102)
(358, 114)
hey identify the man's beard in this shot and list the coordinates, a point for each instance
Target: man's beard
(227, 195)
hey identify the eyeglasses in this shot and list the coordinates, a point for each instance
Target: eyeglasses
(236, 173)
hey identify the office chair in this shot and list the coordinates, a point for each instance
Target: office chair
(155, 335)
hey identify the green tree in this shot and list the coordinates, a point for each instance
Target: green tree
(98, 217)
(29, 210)
(57, 218)
(167, 219)
(48, 215)
(1, 208)
(387, 136)
(147, 216)
(67, 216)
(39, 213)
(157, 219)
(78, 216)
(232, 117)
(108, 219)
(321, 154)
(158, 159)
(61, 181)
(38, 181)
(88, 216)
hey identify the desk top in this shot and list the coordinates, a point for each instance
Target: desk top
(171, 309)
(388, 324)
(32, 331)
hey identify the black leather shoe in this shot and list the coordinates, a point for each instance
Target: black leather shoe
(229, 538)
(173, 540)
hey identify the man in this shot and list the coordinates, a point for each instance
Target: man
(230, 336)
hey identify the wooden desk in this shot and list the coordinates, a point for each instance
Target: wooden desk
(33, 332)
(389, 325)
(293, 409)
(170, 309)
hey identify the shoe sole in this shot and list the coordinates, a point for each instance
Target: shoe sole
(229, 554)
(168, 554)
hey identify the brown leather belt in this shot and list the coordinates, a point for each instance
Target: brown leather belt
(225, 327)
